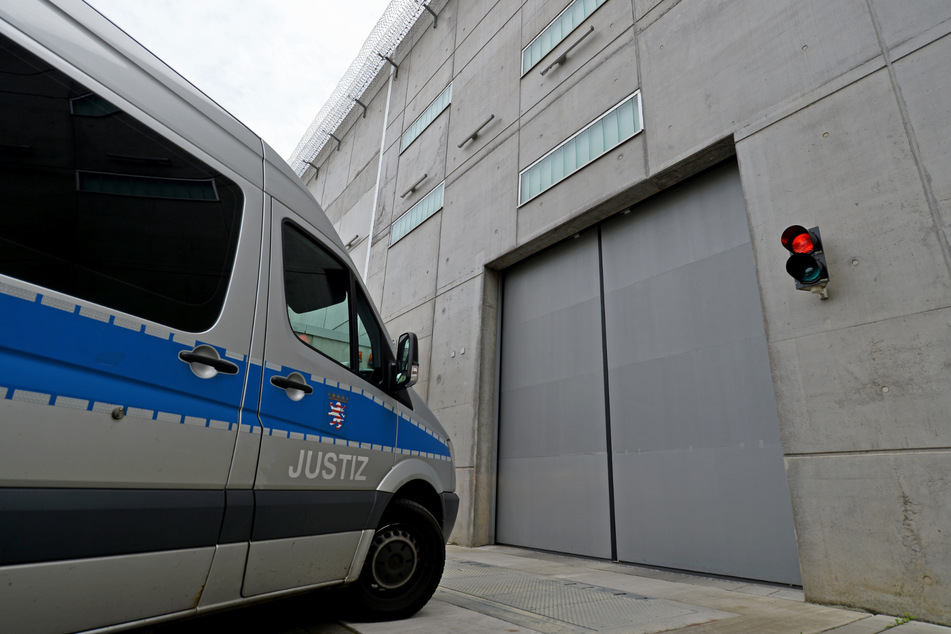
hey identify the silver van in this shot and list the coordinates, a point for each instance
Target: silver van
(199, 405)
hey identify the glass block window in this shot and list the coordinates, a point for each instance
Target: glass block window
(559, 28)
(602, 135)
(429, 115)
(430, 204)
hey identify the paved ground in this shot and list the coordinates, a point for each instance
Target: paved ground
(510, 590)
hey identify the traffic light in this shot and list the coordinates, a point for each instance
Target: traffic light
(807, 264)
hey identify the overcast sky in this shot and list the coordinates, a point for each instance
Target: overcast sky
(271, 63)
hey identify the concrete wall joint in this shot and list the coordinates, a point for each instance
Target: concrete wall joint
(905, 451)
(933, 206)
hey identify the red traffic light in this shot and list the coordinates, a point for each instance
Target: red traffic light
(798, 239)
(807, 264)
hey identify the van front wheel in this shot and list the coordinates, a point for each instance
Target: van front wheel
(404, 564)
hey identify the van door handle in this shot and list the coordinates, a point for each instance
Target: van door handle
(289, 383)
(207, 357)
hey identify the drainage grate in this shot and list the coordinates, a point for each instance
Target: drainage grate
(564, 605)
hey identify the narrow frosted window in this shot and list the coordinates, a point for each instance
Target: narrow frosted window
(559, 28)
(429, 115)
(599, 137)
(418, 213)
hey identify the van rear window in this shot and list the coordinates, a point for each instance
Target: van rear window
(95, 204)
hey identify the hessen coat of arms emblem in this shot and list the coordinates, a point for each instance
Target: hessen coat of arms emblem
(338, 409)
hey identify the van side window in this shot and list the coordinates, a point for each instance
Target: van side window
(318, 291)
(95, 204)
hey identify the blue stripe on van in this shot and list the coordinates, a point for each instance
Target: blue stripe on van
(90, 360)
(53, 353)
(416, 438)
(366, 420)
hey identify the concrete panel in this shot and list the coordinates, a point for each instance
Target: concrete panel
(420, 101)
(413, 260)
(608, 176)
(425, 157)
(367, 133)
(315, 183)
(460, 423)
(394, 129)
(643, 7)
(425, 363)
(480, 21)
(352, 195)
(374, 284)
(336, 169)
(710, 66)
(901, 21)
(358, 254)
(612, 30)
(926, 89)
(466, 483)
(432, 53)
(387, 199)
(391, 155)
(873, 531)
(479, 215)
(843, 163)
(455, 358)
(881, 385)
(481, 90)
(356, 222)
(378, 252)
(576, 105)
(400, 96)
(427, 153)
(418, 320)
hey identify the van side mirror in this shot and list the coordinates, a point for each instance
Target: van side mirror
(407, 361)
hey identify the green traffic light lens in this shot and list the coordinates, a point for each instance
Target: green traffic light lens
(805, 269)
(810, 274)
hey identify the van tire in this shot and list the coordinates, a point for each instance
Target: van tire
(403, 566)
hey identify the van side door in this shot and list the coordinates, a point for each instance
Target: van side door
(125, 326)
(329, 426)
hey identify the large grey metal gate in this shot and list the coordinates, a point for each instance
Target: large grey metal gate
(637, 418)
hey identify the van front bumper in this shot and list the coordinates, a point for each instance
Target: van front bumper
(450, 508)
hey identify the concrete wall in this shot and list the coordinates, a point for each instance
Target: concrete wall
(839, 115)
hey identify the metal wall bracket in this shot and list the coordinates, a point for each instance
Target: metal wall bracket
(316, 168)
(561, 58)
(396, 68)
(476, 132)
(335, 139)
(414, 186)
(426, 6)
(362, 105)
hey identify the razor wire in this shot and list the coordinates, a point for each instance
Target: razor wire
(396, 22)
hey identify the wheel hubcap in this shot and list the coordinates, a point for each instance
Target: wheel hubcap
(395, 558)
